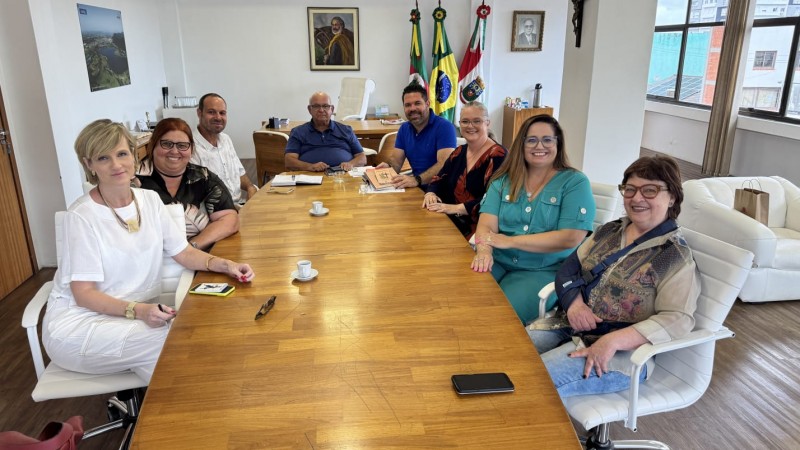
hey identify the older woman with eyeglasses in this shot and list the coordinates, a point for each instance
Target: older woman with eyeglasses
(537, 209)
(102, 314)
(210, 212)
(634, 281)
(461, 183)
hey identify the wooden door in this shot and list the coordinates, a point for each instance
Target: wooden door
(17, 260)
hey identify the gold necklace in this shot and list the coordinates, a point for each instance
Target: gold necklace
(130, 226)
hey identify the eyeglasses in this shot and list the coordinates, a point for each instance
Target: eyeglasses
(473, 122)
(648, 190)
(547, 141)
(265, 308)
(167, 145)
(318, 107)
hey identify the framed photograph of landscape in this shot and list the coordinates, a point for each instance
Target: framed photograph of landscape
(527, 28)
(333, 38)
(104, 47)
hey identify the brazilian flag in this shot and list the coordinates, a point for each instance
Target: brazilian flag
(443, 88)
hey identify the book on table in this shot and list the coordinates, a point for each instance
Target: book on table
(293, 180)
(380, 179)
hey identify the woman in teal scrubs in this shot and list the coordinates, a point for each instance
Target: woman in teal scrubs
(536, 211)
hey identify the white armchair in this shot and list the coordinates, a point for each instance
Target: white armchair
(55, 382)
(683, 366)
(708, 208)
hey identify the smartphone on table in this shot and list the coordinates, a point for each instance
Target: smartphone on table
(334, 169)
(482, 383)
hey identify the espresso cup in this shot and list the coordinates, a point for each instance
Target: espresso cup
(316, 207)
(304, 268)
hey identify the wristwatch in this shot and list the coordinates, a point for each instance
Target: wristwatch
(419, 180)
(130, 313)
(193, 244)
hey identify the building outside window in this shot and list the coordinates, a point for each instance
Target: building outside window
(685, 56)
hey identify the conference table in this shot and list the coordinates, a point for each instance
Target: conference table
(360, 356)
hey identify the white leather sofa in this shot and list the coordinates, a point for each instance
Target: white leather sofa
(708, 208)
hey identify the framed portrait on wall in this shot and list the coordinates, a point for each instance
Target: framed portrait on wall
(333, 38)
(526, 31)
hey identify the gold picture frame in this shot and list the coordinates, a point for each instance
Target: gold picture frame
(527, 31)
(333, 39)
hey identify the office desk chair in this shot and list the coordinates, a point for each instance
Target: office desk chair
(387, 141)
(56, 382)
(683, 366)
(270, 151)
(354, 98)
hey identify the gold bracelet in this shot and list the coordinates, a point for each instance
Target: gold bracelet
(208, 263)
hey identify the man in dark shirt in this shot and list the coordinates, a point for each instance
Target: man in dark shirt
(322, 142)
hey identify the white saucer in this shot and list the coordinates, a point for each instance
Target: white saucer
(296, 276)
(323, 213)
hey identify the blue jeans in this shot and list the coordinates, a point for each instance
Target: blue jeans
(567, 373)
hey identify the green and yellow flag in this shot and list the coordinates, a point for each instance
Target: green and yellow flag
(443, 90)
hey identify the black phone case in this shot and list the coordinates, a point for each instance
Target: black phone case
(482, 383)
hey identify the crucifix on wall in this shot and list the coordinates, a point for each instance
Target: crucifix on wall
(577, 18)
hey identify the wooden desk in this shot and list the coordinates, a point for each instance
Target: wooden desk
(361, 356)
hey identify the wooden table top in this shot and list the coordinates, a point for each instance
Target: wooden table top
(362, 128)
(359, 357)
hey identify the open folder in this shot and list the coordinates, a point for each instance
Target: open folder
(293, 180)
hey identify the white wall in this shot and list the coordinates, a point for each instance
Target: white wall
(514, 74)
(605, 81)
(255, 54)
(760, 148)
(29, 123)
(46, 89)
(72, 105)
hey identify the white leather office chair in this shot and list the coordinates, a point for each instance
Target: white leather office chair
(55, 382)
(606, 199)
(386, 141)
(683, 367)
(354, 98)
(708, 208)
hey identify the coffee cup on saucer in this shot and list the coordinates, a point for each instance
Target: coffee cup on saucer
(317, 209)
(304, 268)
(304, 271)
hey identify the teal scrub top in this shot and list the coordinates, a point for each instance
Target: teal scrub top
(566, 202)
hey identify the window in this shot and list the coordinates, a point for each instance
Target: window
(686, 49)
(772, 53)
(764, 60)
(685, 56)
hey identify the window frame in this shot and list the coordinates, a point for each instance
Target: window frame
(780, 114)
(684, 29)
(793, 65)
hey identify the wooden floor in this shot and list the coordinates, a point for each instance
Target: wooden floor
(751, 403)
